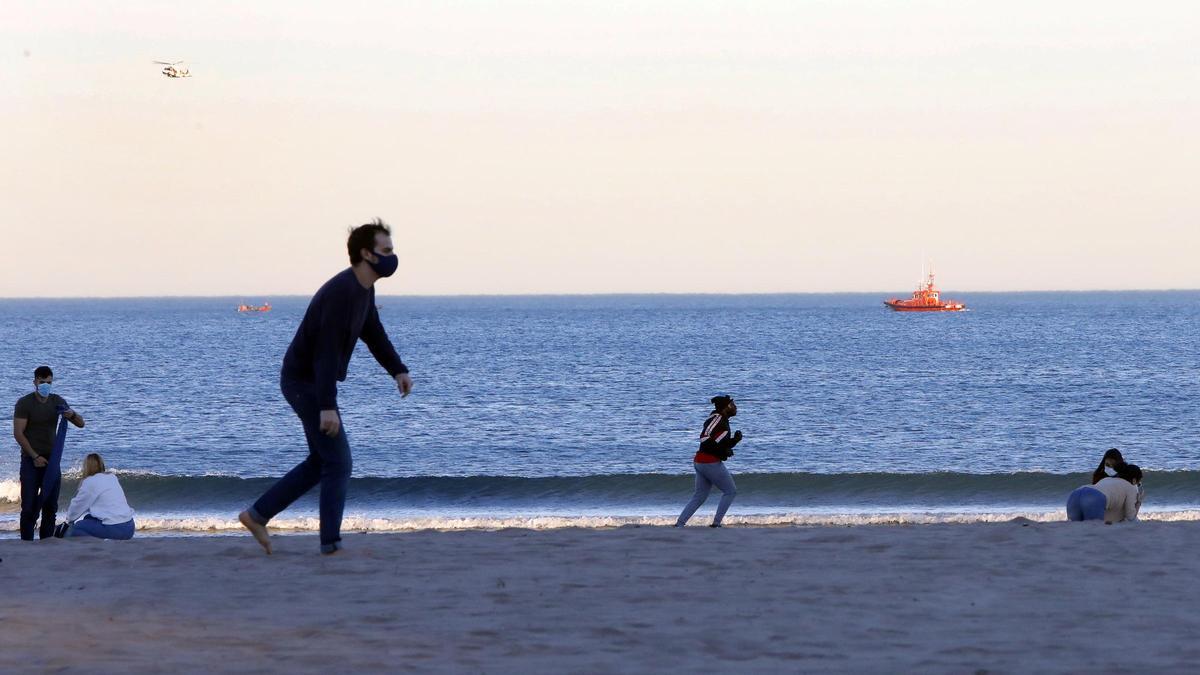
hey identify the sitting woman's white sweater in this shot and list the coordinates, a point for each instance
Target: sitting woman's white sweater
(1122, 499)
(100, 496)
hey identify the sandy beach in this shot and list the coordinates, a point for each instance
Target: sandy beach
(996, 597)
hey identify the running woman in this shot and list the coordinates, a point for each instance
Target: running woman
(716, 446)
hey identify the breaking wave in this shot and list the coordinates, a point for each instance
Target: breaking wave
(214, 525)
(188, 493)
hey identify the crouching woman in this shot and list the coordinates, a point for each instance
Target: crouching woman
(99, 508)
(1113, 499)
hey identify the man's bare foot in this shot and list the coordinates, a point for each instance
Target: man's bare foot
(259, 531)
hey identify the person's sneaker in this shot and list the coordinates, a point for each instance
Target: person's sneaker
(715, 525)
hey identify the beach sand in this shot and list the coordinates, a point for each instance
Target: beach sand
(996, 597)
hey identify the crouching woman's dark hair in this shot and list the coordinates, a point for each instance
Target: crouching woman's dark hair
(1118, 461)
(362, 237)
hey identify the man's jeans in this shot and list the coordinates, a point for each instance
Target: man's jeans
(31, 495)
(328, 463)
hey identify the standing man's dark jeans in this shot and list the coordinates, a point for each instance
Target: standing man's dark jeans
(328, 463)
(31, 488)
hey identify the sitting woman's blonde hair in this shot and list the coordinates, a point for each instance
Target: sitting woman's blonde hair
(92, 465)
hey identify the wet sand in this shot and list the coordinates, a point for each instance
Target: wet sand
(996, 597)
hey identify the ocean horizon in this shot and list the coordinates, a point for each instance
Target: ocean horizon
(885, 293)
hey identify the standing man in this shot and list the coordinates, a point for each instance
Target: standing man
(35, 419)
(716, 446)
(341, 312)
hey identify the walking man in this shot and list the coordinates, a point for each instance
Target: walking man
(716, 446)
(35, 419)
(340, 313)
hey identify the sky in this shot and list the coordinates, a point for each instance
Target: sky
(600, 147)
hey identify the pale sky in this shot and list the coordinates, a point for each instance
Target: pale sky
(589, 147)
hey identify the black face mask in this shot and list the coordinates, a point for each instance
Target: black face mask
(387, 264)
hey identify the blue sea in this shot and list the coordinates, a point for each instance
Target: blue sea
(585, 410)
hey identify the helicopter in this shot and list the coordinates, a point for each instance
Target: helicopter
(172, 71)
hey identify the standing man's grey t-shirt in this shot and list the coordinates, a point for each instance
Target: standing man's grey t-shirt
(42, 419)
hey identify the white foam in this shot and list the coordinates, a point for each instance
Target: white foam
(185, 524)
(10, 491)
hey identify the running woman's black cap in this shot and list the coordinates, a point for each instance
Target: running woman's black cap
(721, 400)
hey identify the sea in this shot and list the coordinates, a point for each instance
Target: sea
(558, 411)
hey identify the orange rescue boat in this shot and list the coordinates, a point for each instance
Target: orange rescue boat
(927, 298)
(242, 308)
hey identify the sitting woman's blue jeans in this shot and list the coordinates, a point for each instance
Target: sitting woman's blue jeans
(88, 526)
(1086, 503)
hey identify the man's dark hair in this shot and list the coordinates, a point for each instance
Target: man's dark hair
(363, 236)
(43, 371)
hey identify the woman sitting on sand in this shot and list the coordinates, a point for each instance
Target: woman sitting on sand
(1113, 499)
(1109, 464)
(99, 508)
